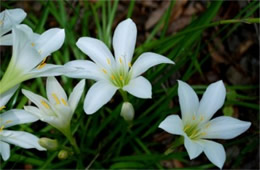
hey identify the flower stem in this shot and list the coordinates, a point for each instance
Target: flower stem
(72, 141)
(124, 95)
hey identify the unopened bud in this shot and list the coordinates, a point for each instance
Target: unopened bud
(63, 154)
(127, 111)
(49, 144)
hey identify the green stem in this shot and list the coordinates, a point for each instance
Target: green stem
(124, 95)
(72, 141)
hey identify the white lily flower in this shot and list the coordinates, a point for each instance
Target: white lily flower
(19, 138)
(58, 109)
(111, 73)
(8, 19)
(196, 126)
(29, 55)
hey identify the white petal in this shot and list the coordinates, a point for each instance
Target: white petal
(4, 150)
(139, 87)
(98, 95)
(97, 51)
(49, 70)
(15, 117)
(55, 92)
(225, 127)
(193, 148)
(84, 69)
(189, 101)
(76, 95)
(39, 101)
(215, 152)
(212, 100)
(50, 41)
(6, 40)
(9, 18)
(172, 124)
(25, 56)
(124, 40)
(22, 139)
(35, 111)
(146, 61)
(5, 97)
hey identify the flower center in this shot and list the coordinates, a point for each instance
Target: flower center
(194, 130)
(119, 76)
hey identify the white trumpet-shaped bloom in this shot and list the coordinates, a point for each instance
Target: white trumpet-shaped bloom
(58, 109)
(19, 138)
(113, 73)
(29, 56)
(8, 19)
(196, 126)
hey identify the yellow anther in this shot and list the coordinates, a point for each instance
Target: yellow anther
(1, 128)
(45, 104)
(55, 98)
(201, 118)
(8, 121)
(33, 44)
(2, 107)
(42, 64)
(193, 117)
(104, 71)
(108, 61)
(112, 77)
(120, 60)
(64, 102)
(129, 64)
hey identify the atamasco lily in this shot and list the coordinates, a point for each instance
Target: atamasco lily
(8, 19)
(196, 126)
(111, 73)
(19, 138)
(5, 97)
(29, 56)
(58, 109)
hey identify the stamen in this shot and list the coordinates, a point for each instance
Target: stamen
(201, 118)
(45, 104)
(108, 61)
(55, 98)
(121, 77)
(112, 77)
(2, 107)
(129, 64)
(193, 117)
(207, 125)
(1, 128)
(64, 102)
(33, 44)
(188, 126)
(42, 64)
(120, 60)
(104, 71)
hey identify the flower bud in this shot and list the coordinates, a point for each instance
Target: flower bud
(63, 154)
(49, 144)
(127, 111)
